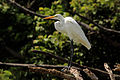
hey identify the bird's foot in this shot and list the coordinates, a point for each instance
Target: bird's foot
(66, 69)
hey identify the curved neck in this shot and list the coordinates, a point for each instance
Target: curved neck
(61, 19)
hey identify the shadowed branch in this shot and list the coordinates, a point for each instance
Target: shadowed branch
(25, 9)
(90, 74)
(51, 68)
(52, 72)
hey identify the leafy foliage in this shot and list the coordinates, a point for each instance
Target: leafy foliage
(23, 33)
(6, 75)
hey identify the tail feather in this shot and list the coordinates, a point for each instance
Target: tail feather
(85, 43)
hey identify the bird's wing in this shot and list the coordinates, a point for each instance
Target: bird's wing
(75, 32)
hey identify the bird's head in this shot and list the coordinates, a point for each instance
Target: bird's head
(56, 17)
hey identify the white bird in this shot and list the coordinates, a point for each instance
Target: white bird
(69, 26)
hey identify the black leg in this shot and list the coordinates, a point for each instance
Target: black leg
(70, 61)
(71, 56)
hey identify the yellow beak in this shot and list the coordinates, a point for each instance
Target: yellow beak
(49, 17)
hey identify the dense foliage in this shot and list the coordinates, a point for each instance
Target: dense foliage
(23, 33)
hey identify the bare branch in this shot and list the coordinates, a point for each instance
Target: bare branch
(90, 74)
(25, 9)
(85, 25)
(112, 77)
(59, 67)
(76, 73)
(51, 71)
(32, 65)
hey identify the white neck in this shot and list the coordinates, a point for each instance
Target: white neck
(61, 19)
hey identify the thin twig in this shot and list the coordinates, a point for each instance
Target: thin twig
(90, 74)
(112, 77)
(52, 72)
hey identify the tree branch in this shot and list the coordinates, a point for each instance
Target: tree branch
(99, 26)
(51, 71)
(59, 67)
(106, 38)
(32, 65)
(109, 71)
(25, 9)
(85, 25)
(76, 73)
(96, 71)
(90, 74)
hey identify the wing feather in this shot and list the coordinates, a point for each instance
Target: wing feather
(75, 32)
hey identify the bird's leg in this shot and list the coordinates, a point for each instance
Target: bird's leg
(71, 56)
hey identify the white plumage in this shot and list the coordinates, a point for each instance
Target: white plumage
(69, 26)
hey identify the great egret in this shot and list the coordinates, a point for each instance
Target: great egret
(69, 26)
